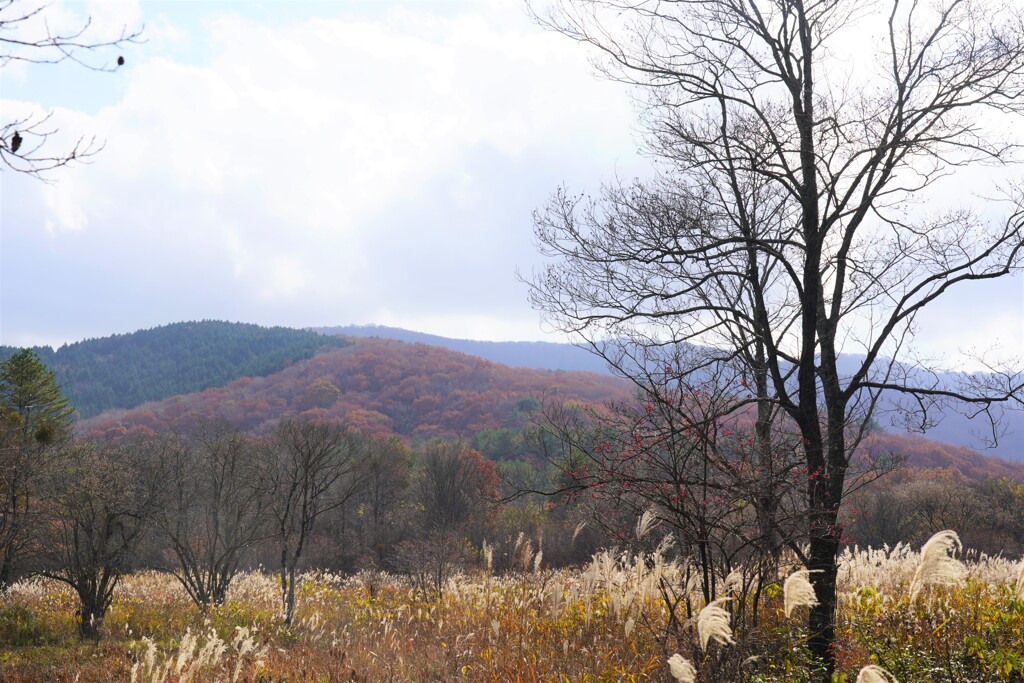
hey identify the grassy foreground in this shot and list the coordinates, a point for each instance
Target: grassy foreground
(609, 621)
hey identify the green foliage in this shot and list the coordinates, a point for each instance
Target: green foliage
(32, 409)
(969, 632)
(123, 371)
(19, 626)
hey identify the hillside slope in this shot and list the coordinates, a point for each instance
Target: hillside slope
(950, 426)
(385, 387)
(380, 387)
(126, 370)
(515, 354)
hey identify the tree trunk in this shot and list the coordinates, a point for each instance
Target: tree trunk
(825, 486)
(824, 550)
(289, 596)
(90, 612)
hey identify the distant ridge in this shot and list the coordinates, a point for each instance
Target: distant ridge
(387, 387)
(952, 427)
(534, 355)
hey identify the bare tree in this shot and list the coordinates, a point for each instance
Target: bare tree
(96, 509)
(384, 508)
(214, 503)
(455, 484)
(319, 467)
(26, 36)
(787, 224)
(455, 490)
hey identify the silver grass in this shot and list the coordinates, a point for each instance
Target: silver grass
(1019, 592)
(873, 673)
(647, 521)
(666, 543)
(937, 562)
(488, 553)
(734, 582)
(527, 554)
(713, 624)
(579, 528)
(681, 669)
(797, 591)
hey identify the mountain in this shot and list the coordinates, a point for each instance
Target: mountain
(949, 425)
(126, 370)
(380, 387)
(385, 387)
(535, 355)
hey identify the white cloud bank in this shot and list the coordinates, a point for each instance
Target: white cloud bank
(319, 171)
(376, 165)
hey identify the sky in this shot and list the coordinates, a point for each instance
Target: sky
(325, 163)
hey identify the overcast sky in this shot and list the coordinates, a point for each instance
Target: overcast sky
(325, 163)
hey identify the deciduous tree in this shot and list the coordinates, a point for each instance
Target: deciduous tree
(96, 508)
(214, 503)
(318, 468)
(799, 143)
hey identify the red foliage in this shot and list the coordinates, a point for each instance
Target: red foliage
(384, 387)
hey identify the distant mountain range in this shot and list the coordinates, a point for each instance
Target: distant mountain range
(386, 387)
(952, 428)
(403, 383)
(536, 355)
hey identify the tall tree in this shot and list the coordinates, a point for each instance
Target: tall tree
(788, 224)
(34, 419)
(319, 467)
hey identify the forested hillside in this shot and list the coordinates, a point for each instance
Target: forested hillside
(381, 387)
(126, 370)
(949, 426)
(384, 387)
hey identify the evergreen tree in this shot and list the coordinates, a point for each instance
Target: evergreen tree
(34, 418)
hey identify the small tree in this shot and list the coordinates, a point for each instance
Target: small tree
(95, 512)
(318, 468)
(456, 485)
(383, 508)
(215, 496)
(455, 491)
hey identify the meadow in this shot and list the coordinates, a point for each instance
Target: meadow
(620, 618)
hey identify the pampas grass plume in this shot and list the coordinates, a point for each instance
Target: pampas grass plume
(713, 624)
(875, 674)
(579, 528)
(798, 591)
(937, 562)
(681, 669)
(647, 521)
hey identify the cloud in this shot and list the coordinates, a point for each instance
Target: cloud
(328, 169)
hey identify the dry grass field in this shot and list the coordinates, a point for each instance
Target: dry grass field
(621, 618)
